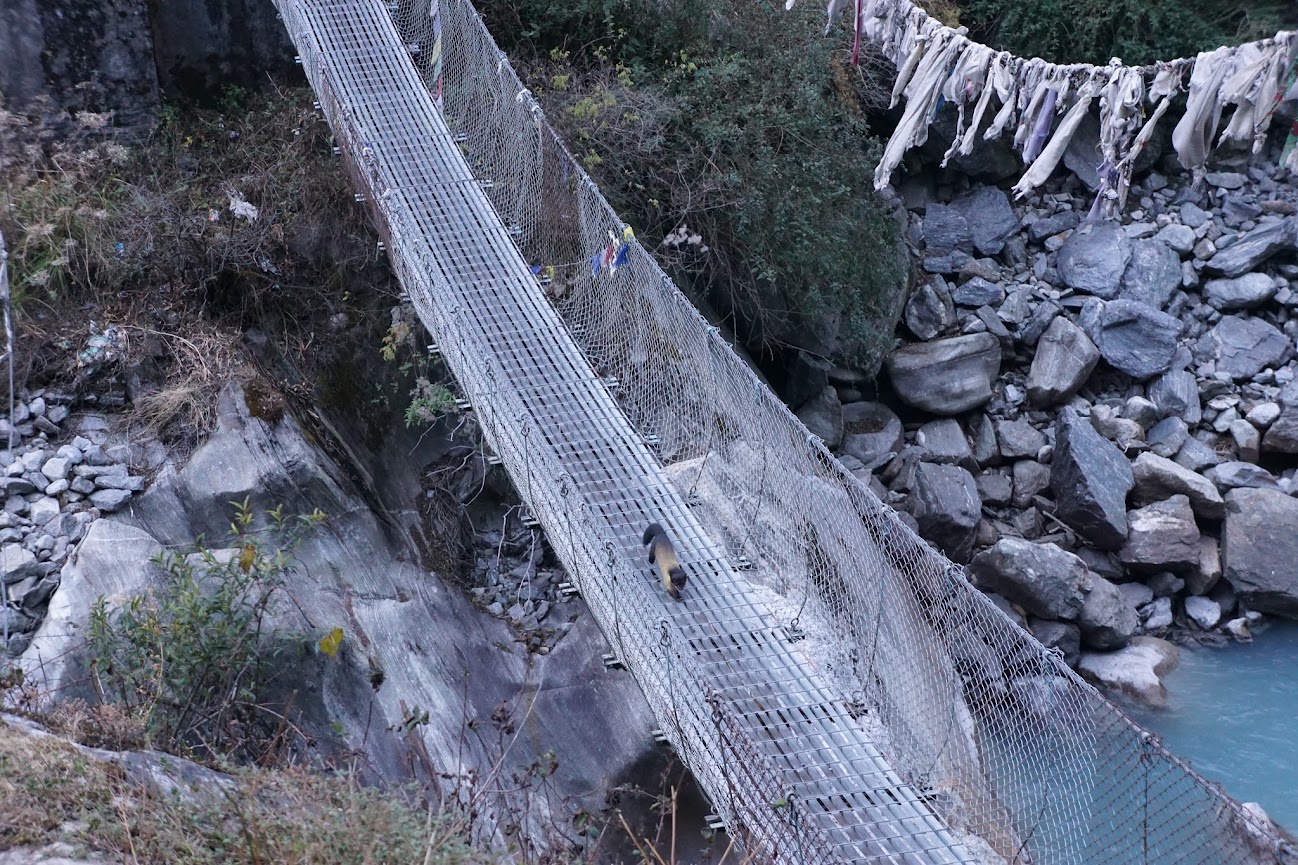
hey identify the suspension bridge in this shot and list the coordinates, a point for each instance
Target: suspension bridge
(837, 687)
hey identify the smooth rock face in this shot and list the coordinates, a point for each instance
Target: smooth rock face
(1135, 671)
(1259, 549)
(871, 430)
(1242, 347)
(1094, 258)
(1252, 249)
(947, 376)
(1064, 360)
(1138, 339)
(947, 508)
(1243, 292)
(1108, 619)
(1161, 536)
(1158, 478)
(1153, 273)
(1090, 479)
(823, 415)
(1046, 581)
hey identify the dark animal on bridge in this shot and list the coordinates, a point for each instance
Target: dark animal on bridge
(662, 553)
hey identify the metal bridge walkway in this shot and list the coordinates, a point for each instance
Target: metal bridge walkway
(538, 398)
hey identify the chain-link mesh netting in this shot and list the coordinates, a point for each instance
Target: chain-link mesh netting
(819, 633)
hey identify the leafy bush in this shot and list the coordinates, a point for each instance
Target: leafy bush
(1138, 31)
(192, 660)
(739, 122)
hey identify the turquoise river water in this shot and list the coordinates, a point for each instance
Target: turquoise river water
(1233, 713)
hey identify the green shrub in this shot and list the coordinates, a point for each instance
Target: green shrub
(192, 660)
(1138, 31)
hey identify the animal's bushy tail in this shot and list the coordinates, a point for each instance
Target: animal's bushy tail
(652, 532)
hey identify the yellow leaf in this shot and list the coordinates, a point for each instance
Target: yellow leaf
(247, 557)
(331, 642)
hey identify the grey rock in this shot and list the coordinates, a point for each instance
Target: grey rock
(1158, 615)
(994, 488)
(1242, 347)
(1161, 536)
(1064, 360)
(109, 500)
(1259, 546)
(823, 416)
(55, 468)
(1176, 393)
(945, 442)
(982, 437)
(1165, 584)
(1241, 475)
(1193, 215)
(1226, 179)
(1243, 292)
(1137, 594)
(1255, 247)
(1248, 442)
(1282, 435)
(1158, 478)
(1201, 580)
(1038, 322)
(945, 504)
(1179, 238)
(43, 510)
(1142, 411)
(17, 564)
(929, 312)
(1090, 479)
(1153, 273)
(1019, 439)
(1196, 456)
(805, 377)
(870, 430)
(1107, 619)
(947, 376)
(1264, 414)
(1094, 258)
(1204, 612)
(989, 217)
(16, 486)
(1065, 637)
(945, 231)
(1046, 581)
(1136, 670)
(1138, 339)
(119, 481)
(978, 292)
(1030, 479)
(1065, 220)
(71, 453)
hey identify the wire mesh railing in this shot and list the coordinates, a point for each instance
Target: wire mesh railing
(1000, 737)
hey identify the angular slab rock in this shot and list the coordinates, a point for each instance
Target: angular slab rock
(1204, 612)
(1090, 479)
(946, 506)
(823, 416)
(1136, 671)
(1093, 259)
(978, 292)
(946, 376)
(1153, 273)
(1048, 582)
(1243, 292)
(1137, 338)
(1064, 360)
(871, 430)
(1259, 549)
(1161, 537)
(945, 231)
(1158, 478)
(1242, 347)
(1282, 436)
(1252, 249)
(1019, 439)
(1176, 393)
(945, 442)
(1108, 619)
(930, 312)
(990, 218)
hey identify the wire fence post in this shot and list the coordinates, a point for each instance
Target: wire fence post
(9, 331)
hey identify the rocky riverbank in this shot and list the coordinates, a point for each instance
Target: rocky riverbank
(1100, 419)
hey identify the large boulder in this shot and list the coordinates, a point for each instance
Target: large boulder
(1242, 347)
(989, 217)
(823, 416)
(1137, 338)
(1090, 479)
(1282, 436)
(946, 506)
(947, 376)
(1161, 537)
(1153, 273)
(1242, 292)
(947, 241)
(1249, 251)
(1094, 258)
(1259, 549)
(1108, 619)
(1048, 582)
(1158, 478)
(1135, 671)
(871, 430)
(1064, 359)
